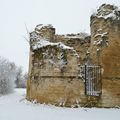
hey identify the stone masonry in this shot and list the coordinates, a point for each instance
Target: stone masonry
(55, 60)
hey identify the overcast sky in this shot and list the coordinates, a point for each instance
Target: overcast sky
(67, 16)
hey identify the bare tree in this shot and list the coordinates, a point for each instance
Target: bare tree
(18, 77)
(21, 78)
(7, 76)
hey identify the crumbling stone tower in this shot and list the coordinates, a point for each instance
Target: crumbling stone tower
(105, 49)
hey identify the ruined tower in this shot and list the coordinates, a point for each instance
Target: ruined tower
(105, 49)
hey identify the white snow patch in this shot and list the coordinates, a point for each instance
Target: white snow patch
(44, 43)
(106, 13)
(98, 50)
(99, 30)
(111, 15)
(101, 34)
(102, 42)
(38, 27)
(15, 107)
(99, 42)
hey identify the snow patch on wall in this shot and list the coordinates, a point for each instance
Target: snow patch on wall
(108, 11)
(102, 41)
(44, 43)
(40, 26)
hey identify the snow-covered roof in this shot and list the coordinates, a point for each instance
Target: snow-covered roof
(43, 43)
(108, 11)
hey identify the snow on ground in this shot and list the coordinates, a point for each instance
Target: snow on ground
(15, 107)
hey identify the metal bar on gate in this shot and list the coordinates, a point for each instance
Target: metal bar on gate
(100, 79)
(85, 79)
(96, 78)
(91, 84)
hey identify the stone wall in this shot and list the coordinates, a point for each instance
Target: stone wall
(107, 54)
(61, 84)
(53, 83)
(49, 80)
(110, 93)
(61, 91)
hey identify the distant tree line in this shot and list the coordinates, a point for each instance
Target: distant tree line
(11, 76)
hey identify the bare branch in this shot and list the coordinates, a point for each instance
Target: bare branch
(27, 29)
(26, 39)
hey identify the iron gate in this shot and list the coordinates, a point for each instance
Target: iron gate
(91, 74)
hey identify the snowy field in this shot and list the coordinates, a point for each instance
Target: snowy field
(15, 107)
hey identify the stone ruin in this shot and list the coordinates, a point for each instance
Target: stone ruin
(55, 60)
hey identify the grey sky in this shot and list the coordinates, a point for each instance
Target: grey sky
(67, 16)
